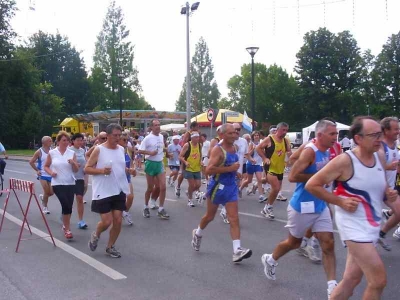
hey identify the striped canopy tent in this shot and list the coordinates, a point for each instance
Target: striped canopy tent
(203, 121)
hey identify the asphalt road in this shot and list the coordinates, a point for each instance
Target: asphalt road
(157, 259)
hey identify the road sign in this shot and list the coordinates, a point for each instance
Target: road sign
(210, 114)
(232, 114)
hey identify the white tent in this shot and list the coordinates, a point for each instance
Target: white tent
(168, 127)
(308, 130)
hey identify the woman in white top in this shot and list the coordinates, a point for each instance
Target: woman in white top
(61, 165)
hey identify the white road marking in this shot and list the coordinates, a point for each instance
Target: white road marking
(172, 200)
(12, 171)
(78, 254)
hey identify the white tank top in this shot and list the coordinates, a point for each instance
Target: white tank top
(41, 161)
(60, 165)
(367, 184)
(115, 183)
(390, 156)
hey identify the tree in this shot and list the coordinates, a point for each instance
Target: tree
(329, 69)
(61, 65)
(114, 54)
(386, 78)
(275, 94)
(7, 11)
(204, 91)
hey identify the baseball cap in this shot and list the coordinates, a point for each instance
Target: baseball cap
(176, 137)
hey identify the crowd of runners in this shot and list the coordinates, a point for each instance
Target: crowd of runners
(349, 187)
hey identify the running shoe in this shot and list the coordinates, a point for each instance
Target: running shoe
(196, 240)
(190, 203)
(41, 199)
(84, 201)
(269, 270)
(224, 217)
(197, 195)
(254, 188)
(302, 251)
(163, 214)
(262, 199)
(330, 290)
(314, 253)
(127, 217)
(82, 225)
(46, 211)
(114, 253)
(177, 191)
(268, 212)
(204, 181)
(382, 241)
(240, 254)
(396, 234)
(153, 204)
(248, 191)
(93, 241)
(172, 184)
(67, 233)
(169, 180)
(280, 197)
(146, 213)
(386, 213)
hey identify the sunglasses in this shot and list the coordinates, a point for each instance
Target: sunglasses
(374, 135)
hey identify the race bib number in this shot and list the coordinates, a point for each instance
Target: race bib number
(307, 207)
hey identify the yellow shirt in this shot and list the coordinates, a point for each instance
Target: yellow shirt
(277, 165)
(194, 159)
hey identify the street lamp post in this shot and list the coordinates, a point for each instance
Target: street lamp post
(368, 109)
(186, 11)
(120, 99)
(252, 51)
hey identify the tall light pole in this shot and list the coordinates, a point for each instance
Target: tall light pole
(368, 109)
(252, 51)
(186, 11)
(120, 98)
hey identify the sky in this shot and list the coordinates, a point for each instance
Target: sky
(158, 31)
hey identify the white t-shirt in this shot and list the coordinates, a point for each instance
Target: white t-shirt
(243, 148)
(153, 142)
(60, 165)
(205, 149)
(345, 142)
(175, 150)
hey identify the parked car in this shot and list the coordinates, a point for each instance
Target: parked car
(296, 139)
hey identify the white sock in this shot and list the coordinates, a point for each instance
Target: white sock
(236, 245)
(314, 241)
(160, 208)
(304, 242)
(154, 200)
(223, 210)
(199, 231)
(271, 260)
(267, 206)
(332, 284)
(146, 206)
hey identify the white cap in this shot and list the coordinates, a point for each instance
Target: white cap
(176, 137)
(194, 134)
(219, 128)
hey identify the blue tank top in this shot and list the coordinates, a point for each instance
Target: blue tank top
(128, 164)
(300, 194)
(230, 177)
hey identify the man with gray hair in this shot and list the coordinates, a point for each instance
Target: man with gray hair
(306, 210)
(222, 189)
(110, 187)
(273, 150)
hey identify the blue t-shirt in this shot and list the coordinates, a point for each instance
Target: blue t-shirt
(2, 149)
(175, 150)
(301, 194)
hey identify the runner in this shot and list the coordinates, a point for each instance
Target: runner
(222, 189)
(2, 162)
(129, 171)
(173, 161)
(109, 188)
(37, 163)
(204, 156)
(306, 210)
(152, 147)
(61, 165)
(190, 156)
(390, 153)
(77, 142)
(273, 151)
(361, 188)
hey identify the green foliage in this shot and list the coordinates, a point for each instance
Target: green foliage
(61, 65)
(204, 90)
(7, 11)
(275, 94)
